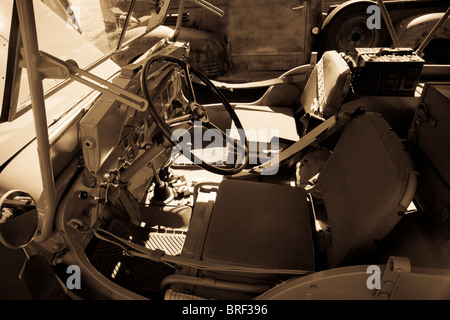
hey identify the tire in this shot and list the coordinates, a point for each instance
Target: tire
(345, 29)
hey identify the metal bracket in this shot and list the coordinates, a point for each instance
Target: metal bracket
(52, 67)
(299, 7)
(389, 25)
(395, 267)
(423, 115)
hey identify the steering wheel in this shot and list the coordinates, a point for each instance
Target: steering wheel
(196, 112)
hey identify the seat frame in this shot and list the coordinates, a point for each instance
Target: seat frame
(200, 225)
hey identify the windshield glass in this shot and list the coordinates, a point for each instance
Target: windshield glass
(80, 30)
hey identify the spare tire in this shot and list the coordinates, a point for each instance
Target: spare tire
(345, 29)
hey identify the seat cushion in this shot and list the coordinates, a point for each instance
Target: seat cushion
(260, 225)
(366, 181)
(262, 124)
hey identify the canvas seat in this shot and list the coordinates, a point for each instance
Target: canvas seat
(366, 183)
(322, 96)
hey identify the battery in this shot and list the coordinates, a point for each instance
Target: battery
(387, 71)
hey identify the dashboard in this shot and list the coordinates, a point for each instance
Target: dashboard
(113, 135)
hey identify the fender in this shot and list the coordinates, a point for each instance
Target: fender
(342, 7)
(413, 30)
(343, 28)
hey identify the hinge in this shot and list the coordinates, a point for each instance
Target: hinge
(423, 114)
(52, 67)
(395, 267)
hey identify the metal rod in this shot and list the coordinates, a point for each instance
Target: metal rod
(61, 85)
(147, 157)
(435, 72)
(179, 20)
(432, 32)
(213, 283)
(210, 7)
(125, 25)
(27, 25)
(388, 21)
(155, 174)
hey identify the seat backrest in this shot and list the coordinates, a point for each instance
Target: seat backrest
(366, 184)
(327, 86)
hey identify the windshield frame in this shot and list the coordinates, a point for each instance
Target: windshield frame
(10, 105)
(13, 74)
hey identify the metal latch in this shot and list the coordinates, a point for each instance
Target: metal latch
(53, 67)
(423, 114)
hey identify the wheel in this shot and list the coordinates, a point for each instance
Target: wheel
(345, 29)
(197, 114)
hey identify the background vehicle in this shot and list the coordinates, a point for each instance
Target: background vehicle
(265, 39)
(100, 186)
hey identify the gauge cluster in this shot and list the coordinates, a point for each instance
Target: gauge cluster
(112, 135)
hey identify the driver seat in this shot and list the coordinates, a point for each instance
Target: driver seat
(367, 183)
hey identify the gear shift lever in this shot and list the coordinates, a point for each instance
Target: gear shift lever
(162, 192)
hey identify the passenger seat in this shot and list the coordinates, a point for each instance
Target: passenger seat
(322, 96)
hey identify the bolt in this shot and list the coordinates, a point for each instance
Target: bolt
(383, 296)
(83, 195)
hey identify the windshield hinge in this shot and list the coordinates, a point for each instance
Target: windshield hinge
(52, 67)
(47, 67)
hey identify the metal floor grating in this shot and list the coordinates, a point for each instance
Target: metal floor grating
(137, 274)
(170, 243)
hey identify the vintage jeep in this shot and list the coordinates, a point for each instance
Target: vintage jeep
(151, 181)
